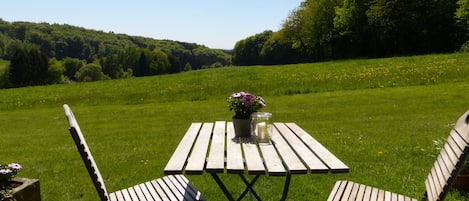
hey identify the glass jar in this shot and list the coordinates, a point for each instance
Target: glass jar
(261, 126)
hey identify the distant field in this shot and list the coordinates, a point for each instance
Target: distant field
(383, 117)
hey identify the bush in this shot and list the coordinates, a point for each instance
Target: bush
(90, 72)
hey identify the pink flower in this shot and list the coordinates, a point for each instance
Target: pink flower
(15, 166)
(5, 171)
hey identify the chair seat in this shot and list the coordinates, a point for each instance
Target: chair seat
(171, 187)
(347, 190)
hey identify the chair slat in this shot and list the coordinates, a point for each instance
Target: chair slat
(361, 192)
(162, 194)
(374, 194)
(133, 194)
(458, 139)
(445, 168)
(152, 191)
(338, 187)
(367, 194)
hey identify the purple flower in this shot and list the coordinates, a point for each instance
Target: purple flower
(244, 104)
(15, 166)
(248, 99)
(5, 171)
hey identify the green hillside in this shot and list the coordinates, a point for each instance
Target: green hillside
(385, 118)
(62, 40)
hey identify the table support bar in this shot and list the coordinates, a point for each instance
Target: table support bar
(286, 187)
(222, 186)
(249, 187)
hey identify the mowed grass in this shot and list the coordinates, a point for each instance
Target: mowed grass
(384, 118)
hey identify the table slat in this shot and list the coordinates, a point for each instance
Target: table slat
(178, 159)
(234, 158)
(309, 158)
(326, 156)
(253, 158)
(288, 156)
(216, 157)
(272, 160)
(196, 161)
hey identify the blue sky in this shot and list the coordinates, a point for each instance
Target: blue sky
(215, 23)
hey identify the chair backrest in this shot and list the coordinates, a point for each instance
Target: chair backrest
(86, 154)
(449, 162)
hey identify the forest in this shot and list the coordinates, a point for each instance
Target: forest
(321, 30)
(66, 49)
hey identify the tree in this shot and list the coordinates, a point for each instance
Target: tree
(354, 36)
(160, 62)
(55, 72)
(311, 28)
(90, 72)
(28, 67)
(279, 50)
(112, 67)
(142, 67)
(247, 51)
(71, 67)
(462, 16)
(462, 12)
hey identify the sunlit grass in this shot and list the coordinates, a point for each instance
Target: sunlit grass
(383, 131)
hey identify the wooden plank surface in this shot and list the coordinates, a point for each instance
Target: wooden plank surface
(272, 160)
(292, 150)
(196, 161)
(458, 139)
(313, 163)
(288, 156)
(324, 154)
(178, 159)
(155, 191)
(142, 192)
(171, 187)
(252, 157)
(234, 157)
(216, 157)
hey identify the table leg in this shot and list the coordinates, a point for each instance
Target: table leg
(286, 187)
(222, 186)
(249, 186)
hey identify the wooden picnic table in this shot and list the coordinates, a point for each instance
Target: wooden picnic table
(213, 148)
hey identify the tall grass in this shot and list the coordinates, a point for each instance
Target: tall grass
(382, 117)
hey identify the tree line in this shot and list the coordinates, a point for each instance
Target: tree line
(320, 30)
(114, 55)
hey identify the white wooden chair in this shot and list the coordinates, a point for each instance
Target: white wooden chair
(171, 187)
(439, 181)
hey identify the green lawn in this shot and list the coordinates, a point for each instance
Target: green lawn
(382, 117)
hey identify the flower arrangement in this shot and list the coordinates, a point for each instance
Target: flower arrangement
(7, 173)
(244, 104)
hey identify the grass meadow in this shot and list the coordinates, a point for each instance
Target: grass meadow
(385, 118)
